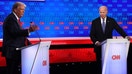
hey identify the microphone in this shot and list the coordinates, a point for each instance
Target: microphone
(31, 23)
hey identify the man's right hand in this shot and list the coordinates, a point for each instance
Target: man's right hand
(33, 28)
(98, 43)
(127, 37)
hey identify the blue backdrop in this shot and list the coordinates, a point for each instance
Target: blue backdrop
(68, 18)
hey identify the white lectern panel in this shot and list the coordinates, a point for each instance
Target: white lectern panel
(35, 59)
(114, 56)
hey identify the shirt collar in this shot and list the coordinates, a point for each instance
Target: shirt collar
(104, 19)
(15, 15)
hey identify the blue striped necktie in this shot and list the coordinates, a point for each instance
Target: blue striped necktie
(103, 25)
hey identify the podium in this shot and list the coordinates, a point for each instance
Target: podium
(114, 56)
(35, 58)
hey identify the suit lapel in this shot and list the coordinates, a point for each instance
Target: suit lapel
(100, 25)
(14, 17)
(107, 23)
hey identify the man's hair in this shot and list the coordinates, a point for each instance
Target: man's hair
(17, 4)
(103, 7)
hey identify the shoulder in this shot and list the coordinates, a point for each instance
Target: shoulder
(96, 19)
(110, 18)
(11, 16)
(9, 19)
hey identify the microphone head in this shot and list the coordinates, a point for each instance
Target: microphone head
(31, 23)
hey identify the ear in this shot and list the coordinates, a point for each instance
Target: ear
(15, 10)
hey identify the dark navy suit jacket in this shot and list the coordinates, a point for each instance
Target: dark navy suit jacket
(13, 36)
(97, 34)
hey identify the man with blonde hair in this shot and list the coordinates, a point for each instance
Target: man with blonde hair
(14, 36)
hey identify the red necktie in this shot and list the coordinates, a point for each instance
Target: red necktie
(20, 23)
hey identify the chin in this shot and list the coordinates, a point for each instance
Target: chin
(21, 16)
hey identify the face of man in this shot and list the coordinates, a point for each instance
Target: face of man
(20, 11)
(103, 11)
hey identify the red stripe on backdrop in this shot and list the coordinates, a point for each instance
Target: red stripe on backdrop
(72, 55)
(66, 55)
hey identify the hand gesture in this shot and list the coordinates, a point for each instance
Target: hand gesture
(33, 28)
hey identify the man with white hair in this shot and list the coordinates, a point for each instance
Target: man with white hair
(102, 29)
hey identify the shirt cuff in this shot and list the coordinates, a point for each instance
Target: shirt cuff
(96, 42)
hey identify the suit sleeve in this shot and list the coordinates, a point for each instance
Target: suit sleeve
(93, 32)
(119, 29)
(14, 29)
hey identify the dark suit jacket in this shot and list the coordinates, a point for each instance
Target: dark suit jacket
(13, 36)
(97, 34)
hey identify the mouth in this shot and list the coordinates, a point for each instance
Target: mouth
(22, 14)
